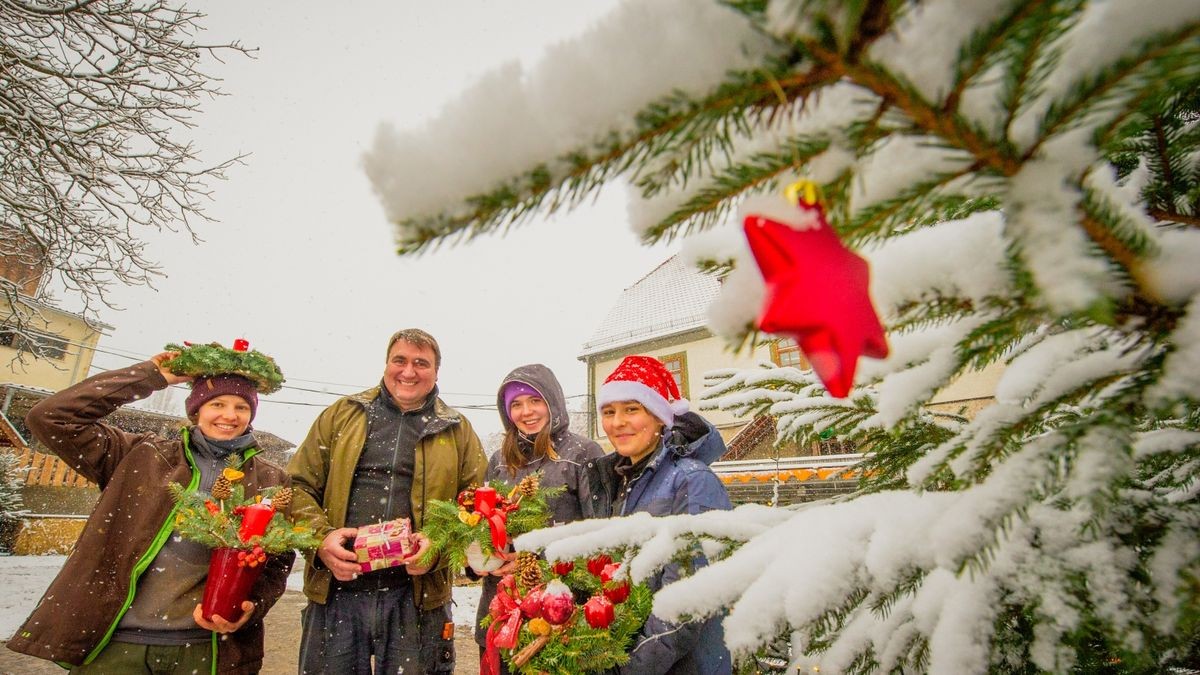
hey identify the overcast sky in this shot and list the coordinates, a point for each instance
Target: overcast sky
(300, 259)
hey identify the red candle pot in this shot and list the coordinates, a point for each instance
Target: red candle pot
(229, 583)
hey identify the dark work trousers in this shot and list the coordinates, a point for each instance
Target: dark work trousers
(341, 636)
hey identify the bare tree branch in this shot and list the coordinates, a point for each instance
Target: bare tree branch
(93, 95)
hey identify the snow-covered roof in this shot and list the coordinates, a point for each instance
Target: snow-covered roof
(671, 299)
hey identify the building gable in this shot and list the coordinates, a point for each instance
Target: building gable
(671, 299)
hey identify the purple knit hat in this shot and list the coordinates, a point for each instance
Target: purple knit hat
(514, 389)
(206, 388)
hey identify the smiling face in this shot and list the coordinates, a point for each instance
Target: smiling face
(632, 430)
(224, 417)
(529, 414)
(410, 374)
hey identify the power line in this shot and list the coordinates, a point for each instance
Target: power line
(133, 356)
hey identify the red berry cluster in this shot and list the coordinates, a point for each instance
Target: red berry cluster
(252, 558)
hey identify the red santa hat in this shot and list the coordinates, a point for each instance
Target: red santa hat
(646, 380)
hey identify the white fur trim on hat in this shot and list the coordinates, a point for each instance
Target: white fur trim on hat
(632, 390)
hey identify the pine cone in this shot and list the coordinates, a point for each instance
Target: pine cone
(528, 486)
(529, 572)
(282, 499)
(222, 489)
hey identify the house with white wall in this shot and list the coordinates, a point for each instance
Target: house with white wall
(663, 315)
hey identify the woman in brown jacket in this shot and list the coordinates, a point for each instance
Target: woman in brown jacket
(127, 598)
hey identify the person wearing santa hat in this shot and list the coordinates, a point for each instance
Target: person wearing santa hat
(660, 467)
(537, 438)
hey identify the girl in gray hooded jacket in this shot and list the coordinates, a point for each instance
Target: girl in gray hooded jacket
(537, 438)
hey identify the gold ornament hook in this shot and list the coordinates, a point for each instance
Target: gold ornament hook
(803, 190)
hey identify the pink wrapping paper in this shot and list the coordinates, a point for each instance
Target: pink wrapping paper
(383, 545)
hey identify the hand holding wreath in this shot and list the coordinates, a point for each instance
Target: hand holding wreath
(161, 360)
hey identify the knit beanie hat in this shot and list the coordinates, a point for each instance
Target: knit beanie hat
(210, 387)
(514, 389)
(646, 380)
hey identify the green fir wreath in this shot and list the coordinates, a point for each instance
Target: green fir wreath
(215, 518)
(574, 646)
(450, 534)
(216, 359)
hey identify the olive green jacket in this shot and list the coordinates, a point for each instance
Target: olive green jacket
(449, 457)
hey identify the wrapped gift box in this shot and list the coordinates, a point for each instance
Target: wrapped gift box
(383, 545)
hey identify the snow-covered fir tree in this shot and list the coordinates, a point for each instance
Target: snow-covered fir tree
(1024, 178)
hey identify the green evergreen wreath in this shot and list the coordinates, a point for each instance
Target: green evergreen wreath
(216, 359)
(450, 535)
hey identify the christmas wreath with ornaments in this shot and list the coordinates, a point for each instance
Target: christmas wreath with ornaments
(545, 618)
(564, 617)
(226, 518)
(242, 531)
(475, 529)
(216, 359)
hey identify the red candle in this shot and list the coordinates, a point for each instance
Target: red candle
(255, 520)
(486, 499)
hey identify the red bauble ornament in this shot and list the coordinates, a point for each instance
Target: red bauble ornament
(241, 345)
(531, 604)
(617, 591)
(466, 499)
(563, 567)
(599, 612)
(609, 572)
(817, 290)
(596, 565)
(557, 603)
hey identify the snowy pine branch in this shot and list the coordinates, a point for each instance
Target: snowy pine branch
(1024, 178)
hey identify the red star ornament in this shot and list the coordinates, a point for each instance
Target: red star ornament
(817, 290)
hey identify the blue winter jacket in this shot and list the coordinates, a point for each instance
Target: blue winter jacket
(676, 480)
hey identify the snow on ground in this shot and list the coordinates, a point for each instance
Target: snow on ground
(25, 577)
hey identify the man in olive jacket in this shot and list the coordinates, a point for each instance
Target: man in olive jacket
(382, 454)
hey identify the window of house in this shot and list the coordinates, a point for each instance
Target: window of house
(677, 365)
(51, 346)
(835, 446)
(786, 352)
(45, 346)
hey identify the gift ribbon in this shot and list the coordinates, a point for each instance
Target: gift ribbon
(502, 634)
